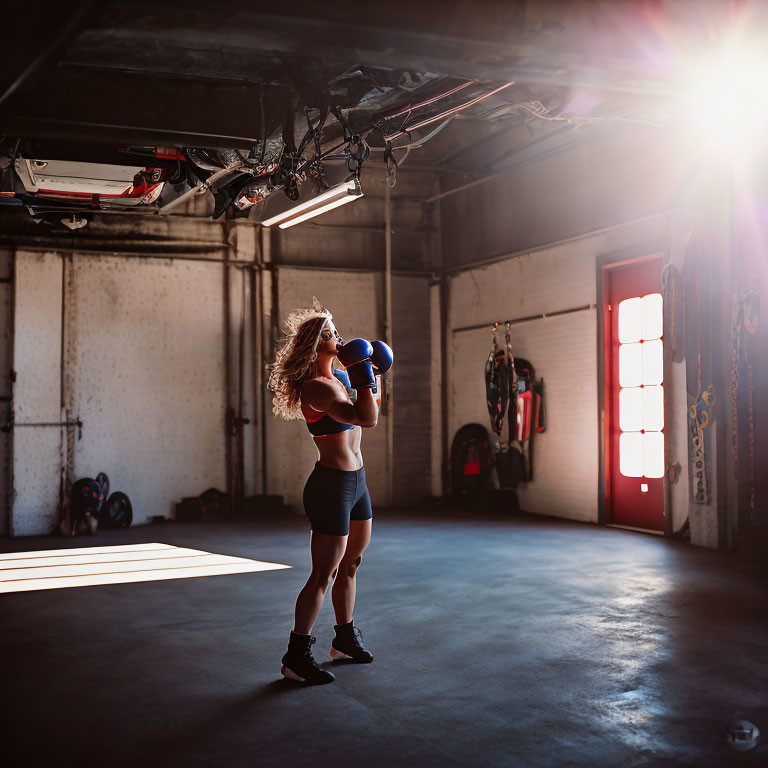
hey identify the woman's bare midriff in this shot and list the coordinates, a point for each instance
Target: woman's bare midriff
(342, 450)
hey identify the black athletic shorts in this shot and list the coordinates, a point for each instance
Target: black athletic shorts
(333, 497)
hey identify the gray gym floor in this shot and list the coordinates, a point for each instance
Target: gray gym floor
(519, 642)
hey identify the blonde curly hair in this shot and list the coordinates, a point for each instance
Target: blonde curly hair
(296, 359)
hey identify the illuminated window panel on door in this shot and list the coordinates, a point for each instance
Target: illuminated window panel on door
(653, 362)
(653, 454)
(631, 409)
(641, 396)
(641, 408)
(631, 454)
(653, 408)
(631, 365)
(630, 320)
(651, 317)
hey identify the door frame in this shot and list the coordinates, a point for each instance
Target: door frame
(604, 263)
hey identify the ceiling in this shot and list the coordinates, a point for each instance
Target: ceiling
(497, 78)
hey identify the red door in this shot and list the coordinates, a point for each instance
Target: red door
(635, 394)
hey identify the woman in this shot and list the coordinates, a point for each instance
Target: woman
(336, 500)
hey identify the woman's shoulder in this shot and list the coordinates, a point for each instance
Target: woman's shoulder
(318, 382)
(317, 386)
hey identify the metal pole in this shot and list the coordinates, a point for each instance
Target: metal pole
(258, 371)
(245, 297)
(264, 346)
(445, 378)
(8, 469)
(229, 413)
(389, 403)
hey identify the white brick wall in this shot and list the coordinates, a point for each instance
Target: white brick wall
(563, 350)
(436, 383)
(565, 465)
(412, 348)
(37, 451)
(144, 370)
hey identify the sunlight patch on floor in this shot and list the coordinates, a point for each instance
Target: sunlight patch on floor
(92, 566)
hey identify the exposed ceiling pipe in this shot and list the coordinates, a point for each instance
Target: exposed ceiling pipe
(451, 111)
(388, 391)
(428, 101)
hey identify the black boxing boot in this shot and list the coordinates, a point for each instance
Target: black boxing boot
(299, 665)
(348, 644)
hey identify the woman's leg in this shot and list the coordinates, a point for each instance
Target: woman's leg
(327, 551)
(344, 586)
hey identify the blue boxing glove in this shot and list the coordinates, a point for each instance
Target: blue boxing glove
(355, 357)
(381, 357)
(341, 375)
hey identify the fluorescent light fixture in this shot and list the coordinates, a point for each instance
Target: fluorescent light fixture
(317, 211)
(331, 198)
(91, 566)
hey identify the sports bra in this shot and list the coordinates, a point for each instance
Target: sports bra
(321, 424)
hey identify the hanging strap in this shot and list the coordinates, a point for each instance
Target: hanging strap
(496, 384)
(512, 408)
